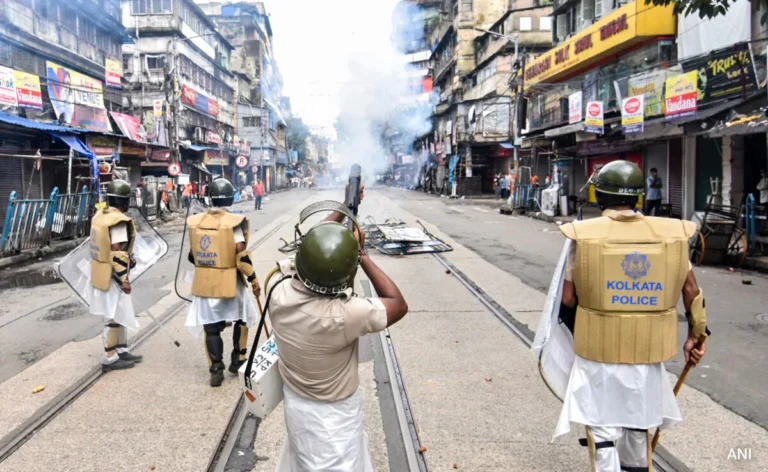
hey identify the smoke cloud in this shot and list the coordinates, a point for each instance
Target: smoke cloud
(377, 105)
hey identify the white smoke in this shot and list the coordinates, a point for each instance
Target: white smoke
(377, 100)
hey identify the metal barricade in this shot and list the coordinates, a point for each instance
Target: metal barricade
(33, 224)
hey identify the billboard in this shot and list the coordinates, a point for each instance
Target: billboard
(77, 99)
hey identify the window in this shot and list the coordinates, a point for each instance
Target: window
(577, 18)
(155, 62)
(562, 27)
(526, 23)
(161, 7)
(252, 122)
(127, 64)
(545, 23)
(139, 7)
(587, 12)
(598, 8)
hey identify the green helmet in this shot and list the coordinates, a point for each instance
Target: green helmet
(222, 193)
(119, 194)
(621, 178)
(327, 259)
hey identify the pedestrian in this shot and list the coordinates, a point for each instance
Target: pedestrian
(318, 320)
(113, 234)
(219, 251)
(187, 195)
(618, 388)
(535, 181)
(762, 186)
(505, 185)
(497, 185)
(258, 190)
(547, 180)
(653, 197)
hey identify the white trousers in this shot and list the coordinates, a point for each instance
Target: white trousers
(631, 449)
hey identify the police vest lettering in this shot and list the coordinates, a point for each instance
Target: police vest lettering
(212, 241)
(101, 245)
(628, 273)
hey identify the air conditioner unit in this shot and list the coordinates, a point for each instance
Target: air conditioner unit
(199, 134)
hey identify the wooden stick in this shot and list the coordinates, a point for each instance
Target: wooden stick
(678, 386)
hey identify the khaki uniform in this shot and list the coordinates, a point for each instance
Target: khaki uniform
(628, 271)
(108, 269)
(318, 340)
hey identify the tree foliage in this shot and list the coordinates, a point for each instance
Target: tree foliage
(296, 135)
(710, 8)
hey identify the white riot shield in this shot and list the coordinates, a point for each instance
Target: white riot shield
(553, 343)
(185, 270)
(149, 247)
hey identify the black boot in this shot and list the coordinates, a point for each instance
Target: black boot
(127, 356)
(119, 364)
(217, 374)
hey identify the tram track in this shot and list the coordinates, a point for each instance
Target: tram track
(663, 460)
(17, 437)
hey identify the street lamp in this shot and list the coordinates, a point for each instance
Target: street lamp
(515, 38)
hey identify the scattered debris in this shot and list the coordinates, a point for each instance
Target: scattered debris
(489, 379)
(731, 269)
(448, 271)
(746, 282)
(455, 466)
(152, 468)
(393, 238)
(38, 389)
(423, 449)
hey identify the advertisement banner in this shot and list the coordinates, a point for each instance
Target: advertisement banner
(199, 101)
(114, 72)
(212, 137)
(28, 91)
(157, 106)
(650, 85)
(77, 99)
(102, 145)
(214, 158)
(130, 148)
(724, 73)
(245, 147)
(574, 107)
(632, 114)
(594, 121)
(7, 87)
(129, 125)
(681, 94)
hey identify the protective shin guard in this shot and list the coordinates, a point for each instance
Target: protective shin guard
(601, 443)
(214, 346)
(239, 346)
(111, 338)
(635, 451)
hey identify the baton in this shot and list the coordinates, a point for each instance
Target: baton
(678, 386)
(261, 310)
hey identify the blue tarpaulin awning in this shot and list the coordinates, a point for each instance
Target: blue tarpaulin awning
(507, 145)
(74, 142)
(32, 124)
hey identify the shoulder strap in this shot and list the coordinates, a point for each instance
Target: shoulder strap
(255, 344)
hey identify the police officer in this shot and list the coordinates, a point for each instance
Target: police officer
(112, 236)
(624, 275)
(223, 268)
(317, 322)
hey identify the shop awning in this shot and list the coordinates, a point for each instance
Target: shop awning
(507, 145)
(201, 167)
(752, 127)
(32, 124)
(563, 130)
(195, 147)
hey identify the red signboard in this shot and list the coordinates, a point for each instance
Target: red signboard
(129, 125)
(212, 137)
(199, 101)
(161, 155)
(174, 169)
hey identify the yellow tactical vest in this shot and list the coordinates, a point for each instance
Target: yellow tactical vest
(101, 245)
(628, 273)
(212, 240)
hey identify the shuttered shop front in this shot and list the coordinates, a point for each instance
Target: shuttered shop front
(675, 194)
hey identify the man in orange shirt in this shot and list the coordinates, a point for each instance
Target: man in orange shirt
(258, 190)
(187, 195)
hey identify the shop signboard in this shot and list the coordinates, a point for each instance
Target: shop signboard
(650, 85)
(28, 92)
(594, 121)
(161, 155)
(77, 99)
(7, 87)
(114, 72)
(214, 158)
(131, 148)
(245, 147)
(129, 125)
(199, 101)
(102, 145)
(574, 107)
(157, 107)
(212, 137)
(632, 114)
(724, 73)
(681, 95)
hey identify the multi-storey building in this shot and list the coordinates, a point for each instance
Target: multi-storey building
(179, 78)
(260, 119)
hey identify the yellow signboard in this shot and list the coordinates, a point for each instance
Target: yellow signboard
(622, 28)
(681, 94)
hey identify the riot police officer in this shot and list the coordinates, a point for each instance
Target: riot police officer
(625, 274)
(223, 268)
(317, 322)
(111, 243)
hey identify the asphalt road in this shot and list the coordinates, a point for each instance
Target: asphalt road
(733, 372)
(39, 314)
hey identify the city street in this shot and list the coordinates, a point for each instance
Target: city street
(459, 382)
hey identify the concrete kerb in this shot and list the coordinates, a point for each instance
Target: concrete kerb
(46, 252)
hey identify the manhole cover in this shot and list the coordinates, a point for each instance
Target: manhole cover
(763, 317)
